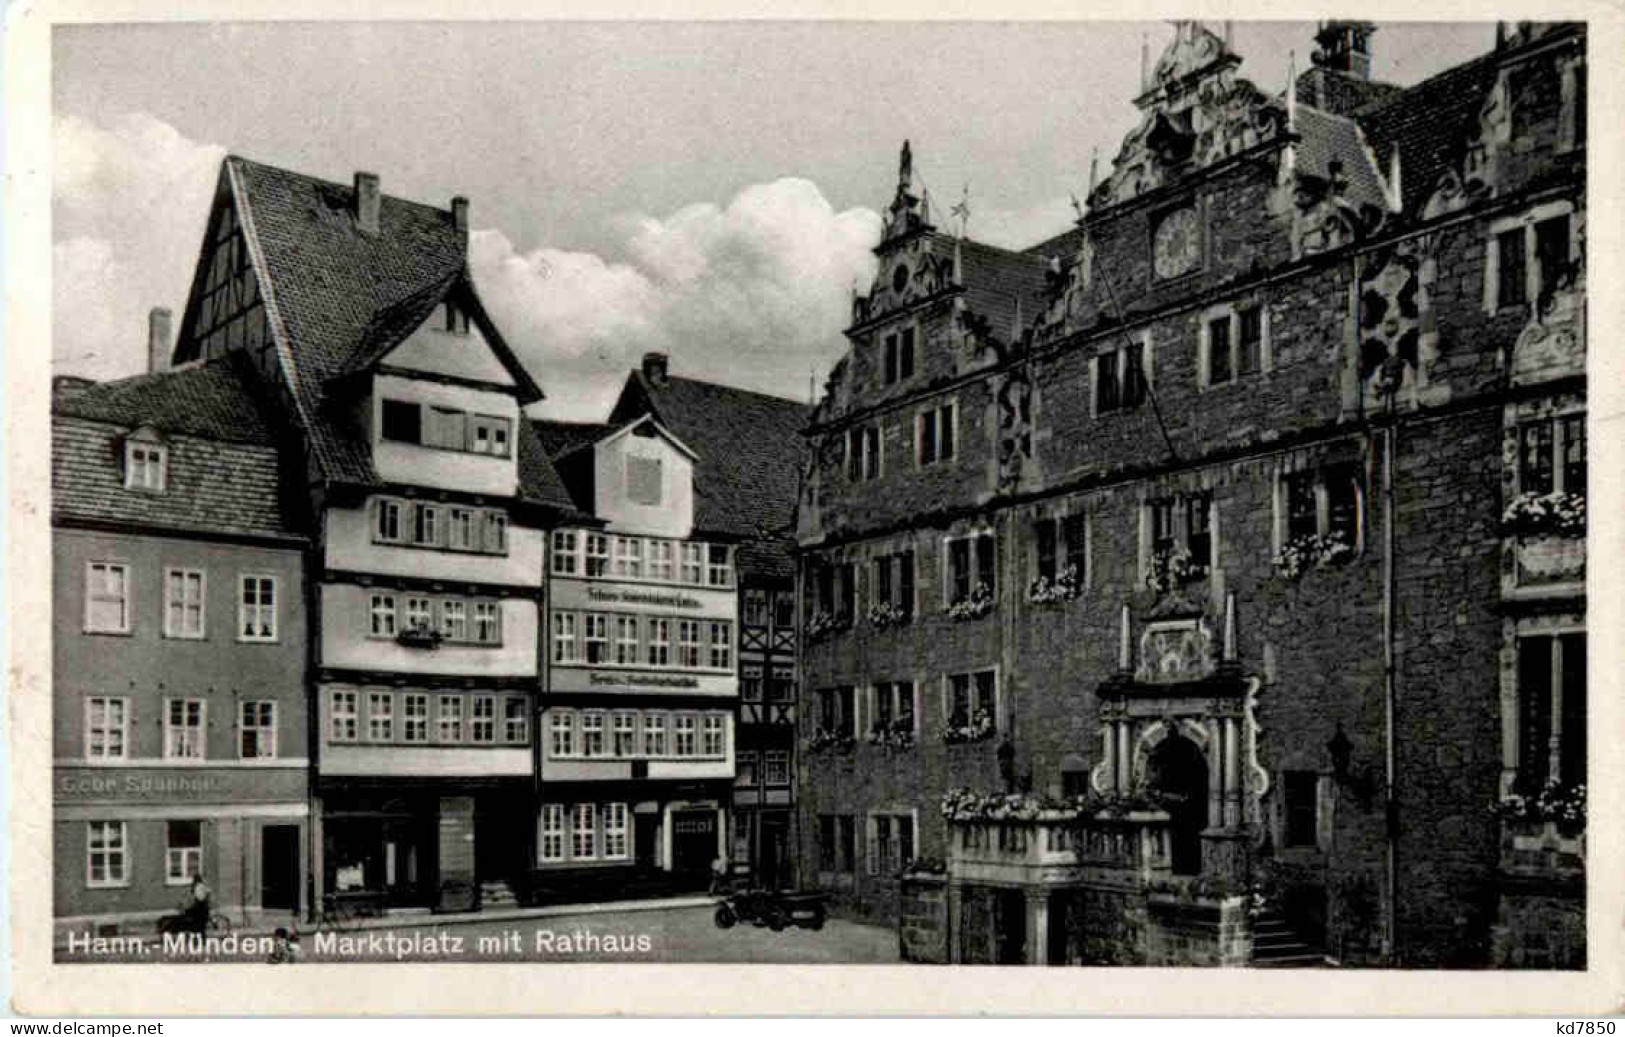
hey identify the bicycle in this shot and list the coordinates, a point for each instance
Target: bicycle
(218, 924)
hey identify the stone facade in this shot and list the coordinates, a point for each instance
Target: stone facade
(1305, 496)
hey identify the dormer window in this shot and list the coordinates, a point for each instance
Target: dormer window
(456, 318)
(406, 421)
(144, 466)
(489, 435)
(403, 421)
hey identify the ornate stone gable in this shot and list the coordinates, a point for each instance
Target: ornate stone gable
(1197, 112)
(909, 271)
(1549, 83)
(912, 266)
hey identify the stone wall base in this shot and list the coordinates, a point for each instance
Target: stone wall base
(1540, 927)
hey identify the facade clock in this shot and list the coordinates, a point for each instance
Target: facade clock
(1177, 243)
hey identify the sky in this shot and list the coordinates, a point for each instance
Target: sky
(710, 190)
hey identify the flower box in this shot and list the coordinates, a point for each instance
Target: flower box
(967, 805)
(887, 614)
(1552, 557)
(418, 637)
(898, 736)
(1066, 586)
(1173, 568)
(1559, 807)
(824, 740)
(826, 624)
(975, 605)
(1311, 550)
(1545, 514)
(976, 728)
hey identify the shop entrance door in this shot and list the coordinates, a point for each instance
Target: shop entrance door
(693, 842)
(279, 867)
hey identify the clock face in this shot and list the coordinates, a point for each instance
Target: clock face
(1177, 244)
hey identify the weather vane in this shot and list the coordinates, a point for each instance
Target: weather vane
(962, 210)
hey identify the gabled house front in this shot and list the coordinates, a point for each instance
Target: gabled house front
(430, 500)
(642, 693)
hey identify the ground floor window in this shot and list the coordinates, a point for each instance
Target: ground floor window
(613, 816)
(583, 832)
(891, 842)
(106, 854)
(552, 832)
(183, 852)
(588, 831)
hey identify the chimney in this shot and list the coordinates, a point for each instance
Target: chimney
(366, 202)
(1345, 47)
(654, 368)
(66, 385)
(158, 322)
(459, 214)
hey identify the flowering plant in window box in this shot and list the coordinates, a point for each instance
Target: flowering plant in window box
(419, 637)
(887, 614)
(1066, 586)
(924, 866)
(1545, 514)
(961, 804)
(824, 623)
(975, 605)
(1299, 554)
(824, 739)
(897, 736)
(1173, 567)
(1560, 804)
(975, 728)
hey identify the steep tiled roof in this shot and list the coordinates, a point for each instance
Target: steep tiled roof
(222, 471)
(1062, 246)
(211, 400)
(1326, 138)
(341, 297)
(995, 278)
(539, 481)
(750, 451)
(1429, 123)
(329, 280)
(559, 437)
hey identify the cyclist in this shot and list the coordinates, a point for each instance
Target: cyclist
(196, 916)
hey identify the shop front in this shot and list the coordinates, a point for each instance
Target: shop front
(128, 840)
(422, 847)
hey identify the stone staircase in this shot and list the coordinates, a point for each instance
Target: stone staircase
(497, 894)
(1276, 945)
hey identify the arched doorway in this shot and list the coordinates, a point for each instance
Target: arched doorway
(1176, 772)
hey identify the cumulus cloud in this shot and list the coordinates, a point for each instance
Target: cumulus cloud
(754, 293)
(130, 201)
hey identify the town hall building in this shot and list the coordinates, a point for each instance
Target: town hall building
(1205, 584)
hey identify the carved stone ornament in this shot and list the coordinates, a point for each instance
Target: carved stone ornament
(1197, 111)
(1013, 394)
(1174, 651)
